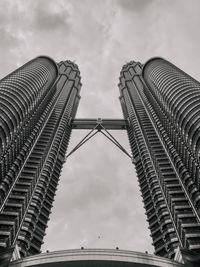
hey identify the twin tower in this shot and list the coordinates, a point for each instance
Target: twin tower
(161, 109)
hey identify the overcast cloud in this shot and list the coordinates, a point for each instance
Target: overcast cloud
(98, 202)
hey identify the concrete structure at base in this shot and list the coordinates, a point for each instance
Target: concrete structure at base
(94, 258)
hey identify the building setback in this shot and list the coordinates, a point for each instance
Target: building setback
(162, 105)
(37, 103)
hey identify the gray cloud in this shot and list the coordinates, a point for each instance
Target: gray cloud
(9, 42)
(50, 18)
(98, 191)
(134, 5)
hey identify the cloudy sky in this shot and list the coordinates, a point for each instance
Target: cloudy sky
(98, 202)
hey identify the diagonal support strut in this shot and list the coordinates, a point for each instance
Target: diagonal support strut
(100, 127)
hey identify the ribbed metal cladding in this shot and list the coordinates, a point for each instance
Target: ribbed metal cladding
(32, 157)
(176, 96)
(180, 95)
(171, 198)
(20, 93)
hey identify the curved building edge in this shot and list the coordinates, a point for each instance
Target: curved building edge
(149, 61)
(65, 258)
(52, 61)
(28, 62)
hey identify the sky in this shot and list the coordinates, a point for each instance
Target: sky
(98, 203)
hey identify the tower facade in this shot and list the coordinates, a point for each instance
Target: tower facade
(37, 103)
(162, 105)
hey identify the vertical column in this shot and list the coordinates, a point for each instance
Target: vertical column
(32, 166)
(55, 136)
(165, 198)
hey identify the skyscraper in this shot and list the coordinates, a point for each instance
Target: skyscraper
(37, 103)
(162, 105)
